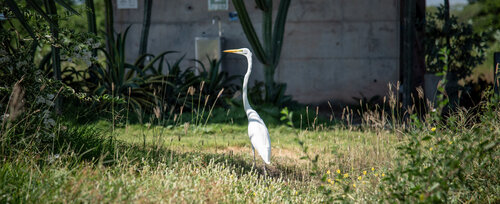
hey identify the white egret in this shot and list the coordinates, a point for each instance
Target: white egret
(257, 130)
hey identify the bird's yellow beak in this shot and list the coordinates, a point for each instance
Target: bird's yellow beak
(234, 51)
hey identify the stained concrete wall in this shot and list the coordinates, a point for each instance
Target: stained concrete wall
(333, 49)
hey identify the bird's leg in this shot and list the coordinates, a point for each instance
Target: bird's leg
(265, 171)
(253, 149)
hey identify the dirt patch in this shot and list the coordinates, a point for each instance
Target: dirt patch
(278, 154)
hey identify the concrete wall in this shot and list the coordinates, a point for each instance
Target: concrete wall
(333, 49)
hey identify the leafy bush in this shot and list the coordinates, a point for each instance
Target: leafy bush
(452, 162)
(28, 122)
(466, 47)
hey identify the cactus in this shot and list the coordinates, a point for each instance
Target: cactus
(91, 20)
(110, 31)
(146, 22)
(268, 52)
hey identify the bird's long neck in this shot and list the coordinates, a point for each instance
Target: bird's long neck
(246, 104)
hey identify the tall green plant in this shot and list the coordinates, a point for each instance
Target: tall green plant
(14, 7)
(146, 22)
(216, 80)
(110, 31)
(268, 52)
(466, 49)
(126, 80)
(91, 20)
(50, 7)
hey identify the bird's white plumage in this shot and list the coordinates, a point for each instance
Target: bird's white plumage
(257, 130)
(259, 136)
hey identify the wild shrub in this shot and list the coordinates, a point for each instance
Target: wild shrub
(453, 161)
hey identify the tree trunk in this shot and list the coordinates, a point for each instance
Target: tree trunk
(407, 46)
(451, 89)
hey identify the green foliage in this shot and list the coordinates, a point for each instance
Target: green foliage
(146, 22)
(47, 15)
(287, 116)
(466, 47)
(367, 103)
(269, 51)
(452, 162)
(257, 95)
(216, 80)
(119, 78)
(85, 141)
(136, 85)
(488, 17)
(178, 81)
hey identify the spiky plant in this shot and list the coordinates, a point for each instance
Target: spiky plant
(269, 50)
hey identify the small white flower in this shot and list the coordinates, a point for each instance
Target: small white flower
(87, 54)
(49, 123)
(4, 59)
(49, 103)
(4, 116)
(46, 113)
(52, 158)
(96, 45)
(40, 99)
(22, 64)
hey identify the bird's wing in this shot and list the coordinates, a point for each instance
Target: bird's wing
(259, 136)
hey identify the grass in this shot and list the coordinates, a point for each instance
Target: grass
(213, 163)
(209, 164)
(141, 182)
(339, 149)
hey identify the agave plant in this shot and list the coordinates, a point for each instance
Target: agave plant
(119, 78)
(175, 93)
(216, 80)
(140, 86)
(148, 4)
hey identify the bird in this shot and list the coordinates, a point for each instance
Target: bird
(257, 130)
